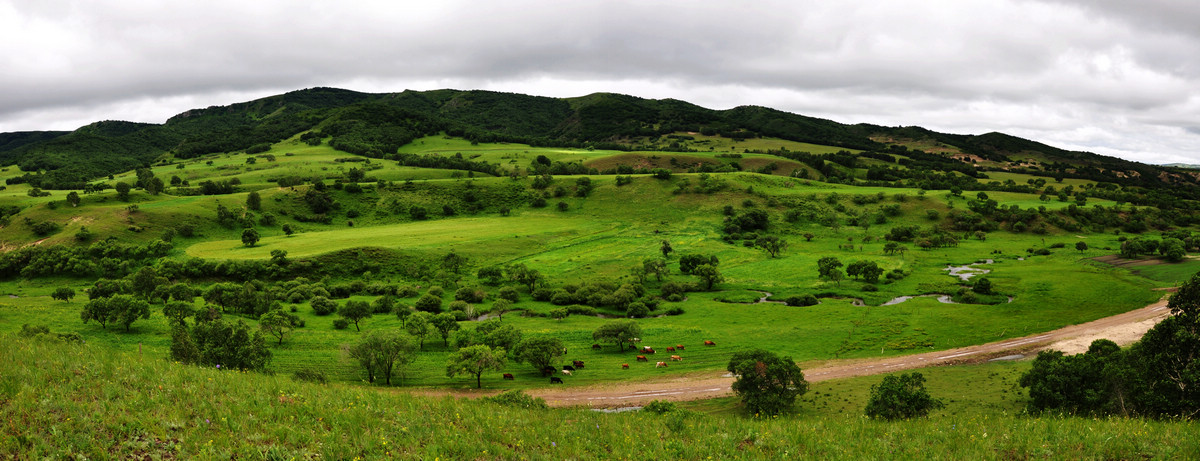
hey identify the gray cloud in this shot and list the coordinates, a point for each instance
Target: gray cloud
(1108, 75)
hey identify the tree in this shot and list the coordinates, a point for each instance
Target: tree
(454, 262)
(982, 286)
(355, 311)
(63, 294)
(519, 273)
(429, 303)
(288, 230)
(618, 332)
(249, 237)
(827, 265)
(417, 325)
(491, 274)
(687, 263)
(1074, 384)
(120, 309)
(475, 360)
(772, 244)
(901, 397)
(179, 311)
(254, 201)
(709, 275)
(123, 191)
(277, 323)
(539, 352)
(768, 384)
(666, 249)
(145, 280)
(73, 198)
(1081, 246)
(500, 306)
(657, 267)
(380, 351)
(444, 323)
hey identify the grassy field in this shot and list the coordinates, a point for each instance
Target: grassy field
(600, 238)
(105, 404)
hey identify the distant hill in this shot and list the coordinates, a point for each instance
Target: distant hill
(377, 124)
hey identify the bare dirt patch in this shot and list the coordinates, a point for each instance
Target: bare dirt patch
(1114, 260)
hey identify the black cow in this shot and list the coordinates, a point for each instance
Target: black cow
(555, 380)
(568, 367)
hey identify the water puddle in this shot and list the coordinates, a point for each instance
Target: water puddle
(965, 272)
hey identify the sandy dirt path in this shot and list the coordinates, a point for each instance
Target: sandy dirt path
(1121, 328)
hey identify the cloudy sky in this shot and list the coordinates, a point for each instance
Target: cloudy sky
(1115, 77)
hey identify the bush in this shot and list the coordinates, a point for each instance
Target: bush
(517, 399)
(674, 311)
(870, 288)
(806, 300)
(310, 375)
(901, 397)
(407, 291)
(638, 310)
(323, 306)
(340, 324)
(429, 303)
(578, 309)
(660, 407)
(510, 293)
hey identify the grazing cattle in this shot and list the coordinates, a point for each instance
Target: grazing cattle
(555, 380)
(647, 349)
(709, 343)
(677, 358)
(566, 372)
(670, 349)
(548, 371)
(595, 346)
(642, 358)
(632, 347)
(624, 366)
(568, 367)
(508, 376)
(660, 365)
(679, 346)
(578, 363)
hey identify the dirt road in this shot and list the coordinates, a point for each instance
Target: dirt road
(1122, 328)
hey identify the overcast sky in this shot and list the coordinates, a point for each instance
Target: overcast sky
(1115, 77)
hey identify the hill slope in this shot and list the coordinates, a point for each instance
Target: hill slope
(377, 124)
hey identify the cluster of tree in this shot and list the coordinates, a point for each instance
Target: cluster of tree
(1171, 248)
(106, 258)
(213, 341)
(1157, 376)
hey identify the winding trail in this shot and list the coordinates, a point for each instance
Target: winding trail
(1123, 328)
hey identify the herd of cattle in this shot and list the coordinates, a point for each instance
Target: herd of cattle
(575, 365)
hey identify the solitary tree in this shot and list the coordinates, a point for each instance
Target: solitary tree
(380, 351)
(768, 384)
(444, 323)
(276, 323)
(709, 275)
(63, 294)
(475, 360)
(666, 248)
(657, 267)
(618, 332)
(901, 397)
(417, 325)
(1081, 246)
(540, 352)
(123, 191)
(771, 244)
(73, 198)
(254, 201)
(249, 237)
(827, 265)
(355, 311)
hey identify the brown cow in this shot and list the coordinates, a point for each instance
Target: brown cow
(578, 363)
(660, 365)
(647, 349)
(679, 346)
(595, 346)
(709, 343)
(508, 376)
(624, 366)
(670, 349)
(642, 358)
(677, 358)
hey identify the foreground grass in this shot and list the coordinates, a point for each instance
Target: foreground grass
(83, 401)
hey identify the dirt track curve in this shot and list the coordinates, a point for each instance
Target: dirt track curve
(1122, 328)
